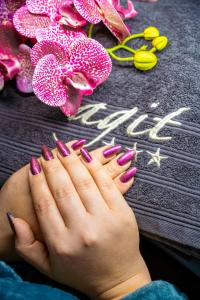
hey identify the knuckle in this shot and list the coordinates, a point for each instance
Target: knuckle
(42, 205)
(88, 239)
(111, 169)
(84, 183)
(51, 168)
(61, 193)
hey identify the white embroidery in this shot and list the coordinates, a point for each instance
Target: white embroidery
(155, 104)
(54, 136)
(137, 152)
(156, 157)
(112, 142)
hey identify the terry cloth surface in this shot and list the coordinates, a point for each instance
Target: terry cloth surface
(166, 195)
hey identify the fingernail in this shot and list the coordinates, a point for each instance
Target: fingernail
(35, 166)
(63, 149)
(78, 144)
(86, 155)
(126, 157)
(112, 150)
(10, 220)
(46, 153)
(128, 175)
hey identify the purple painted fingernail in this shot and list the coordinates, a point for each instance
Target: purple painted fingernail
(112, 150)
(10, 220)
(86, 155)
(78, 144)
(46, 153)
(35, 166)
(63, 149)
(126, 157)
(128, 175)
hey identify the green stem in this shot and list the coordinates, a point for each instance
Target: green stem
(115, 48)
(152, 50)
(90, 30)
(120, 58)
(133, 36)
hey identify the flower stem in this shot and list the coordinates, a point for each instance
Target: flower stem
(120, 46)
(119, 58)
(90, 30)
(133, 36)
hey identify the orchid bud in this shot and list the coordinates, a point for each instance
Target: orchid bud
(151, 33)
(144, 60)
(160, 43)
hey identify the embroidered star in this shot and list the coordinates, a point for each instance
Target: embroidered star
(137, 152)
(156, 157)
(112, 142)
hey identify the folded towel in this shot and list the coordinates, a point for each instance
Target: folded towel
(157, 113)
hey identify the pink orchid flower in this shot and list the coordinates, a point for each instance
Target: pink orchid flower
(95, 11)
(64, 74)
(14, 59)
(8, 8)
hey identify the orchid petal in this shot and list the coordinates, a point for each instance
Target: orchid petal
(9, 40)
(80, 82)
(90, 58)
(48, 82)
(1, 81)
(27, 24)
(14, 5)
(11, 64)
(24, 78)
(128, 12)
(59, 34)
(4, 13)
(112, 20)
(46, 7)
(47, 47)
(88, 9)
(71, 17)
(73, 103)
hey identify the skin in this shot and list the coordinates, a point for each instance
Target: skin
(15, 197)
(82, 216)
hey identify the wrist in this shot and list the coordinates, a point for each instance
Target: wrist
(126, 287)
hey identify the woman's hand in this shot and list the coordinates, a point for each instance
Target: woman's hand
(90, 232)
(15, 196)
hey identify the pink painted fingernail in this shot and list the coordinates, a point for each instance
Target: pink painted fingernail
(10, 220)
(63, 149)
(128, 175)
(112, 150)
(46, 153)
(86, 155)
(35, 166)
(78, 144)
(126, 157)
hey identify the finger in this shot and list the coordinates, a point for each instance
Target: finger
(123, 187)
(49, 217)
(83, 181)
(104, 182)
(28, 247)
(61, 185)
(119, 164)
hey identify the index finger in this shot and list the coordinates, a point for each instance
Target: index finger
(49, 217)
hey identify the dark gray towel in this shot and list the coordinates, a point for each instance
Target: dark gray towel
(166, 196)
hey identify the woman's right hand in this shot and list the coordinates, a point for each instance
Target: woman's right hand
(15, 196)
(91, 239)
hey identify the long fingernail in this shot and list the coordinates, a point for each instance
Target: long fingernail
(78, 144)
(10, 220)
(86, 155)
(63, 149)
(126, 157)
(35, 166)
(128, 175)
(46, 153)
(112, 150)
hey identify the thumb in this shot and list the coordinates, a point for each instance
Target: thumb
(32, 250)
